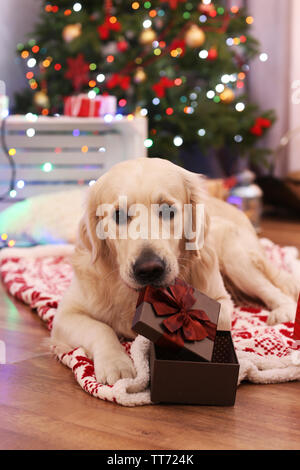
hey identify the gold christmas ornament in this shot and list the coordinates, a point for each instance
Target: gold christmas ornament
(140, 75)
(41, 100)
(195, 36)
(147, 36)
(227, 96)
(71, 31)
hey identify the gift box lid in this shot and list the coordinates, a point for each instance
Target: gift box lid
(178, 316)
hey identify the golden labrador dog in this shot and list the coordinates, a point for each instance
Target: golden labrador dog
(99, 305)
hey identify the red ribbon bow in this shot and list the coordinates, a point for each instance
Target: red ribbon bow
(259, 125)
(173, 3)
(183, 322)
(107, 26)
(162, 85)
(123, 81)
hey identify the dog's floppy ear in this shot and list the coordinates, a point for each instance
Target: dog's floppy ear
(196, 197)
(203, 260)
(87, 238)
(87, 232)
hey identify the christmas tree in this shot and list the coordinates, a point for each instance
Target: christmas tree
(181, 63)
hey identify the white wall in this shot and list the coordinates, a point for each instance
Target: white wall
(294, 105)
(270, 81)
(17, 18)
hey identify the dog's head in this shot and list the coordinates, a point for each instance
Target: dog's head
(140, 221)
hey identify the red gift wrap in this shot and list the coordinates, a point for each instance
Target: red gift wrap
(82, 106)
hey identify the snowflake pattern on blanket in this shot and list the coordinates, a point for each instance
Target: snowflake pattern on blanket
(265, 353)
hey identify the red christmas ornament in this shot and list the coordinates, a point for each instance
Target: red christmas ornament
(173, 3)
(178, 44)
(110, 24)
(212, 54)
(122, 46)
(213, 13)
(162, 85)
(78, 71)
(123, 81)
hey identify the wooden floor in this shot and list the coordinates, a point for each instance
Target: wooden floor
(42, 407)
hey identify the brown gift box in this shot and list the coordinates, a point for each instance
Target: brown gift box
(201, 372)
(192, 382)
(150, 324)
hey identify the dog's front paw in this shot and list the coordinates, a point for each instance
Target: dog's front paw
(283, 314)
(224, 322)
(109, 370)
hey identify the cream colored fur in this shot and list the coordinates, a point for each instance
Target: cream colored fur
(98, 308)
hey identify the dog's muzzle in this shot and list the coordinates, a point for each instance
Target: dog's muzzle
(149, 269)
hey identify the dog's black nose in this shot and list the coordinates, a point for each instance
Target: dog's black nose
(148, 268)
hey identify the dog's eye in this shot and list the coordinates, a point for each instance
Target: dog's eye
(120, 217)
(167, 212)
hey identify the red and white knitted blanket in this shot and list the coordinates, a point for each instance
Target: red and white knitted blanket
(39, 276)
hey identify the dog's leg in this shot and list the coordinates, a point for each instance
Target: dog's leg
(284, 280)
(253, 282)
(218, 292)
(98, 339)
(249, 270)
